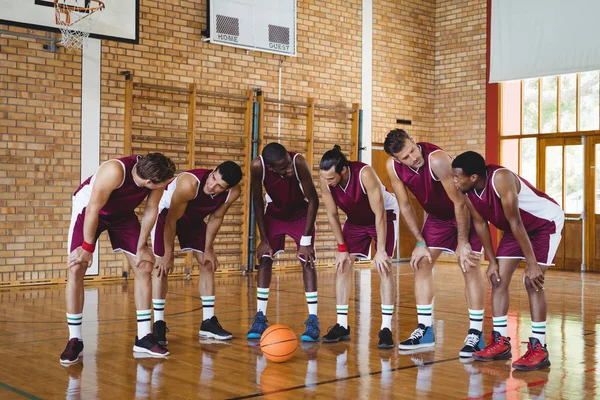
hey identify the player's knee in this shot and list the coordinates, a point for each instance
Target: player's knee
(206, 267)
(500, 287)
(144, 268)
(77, 270)
(529, 286)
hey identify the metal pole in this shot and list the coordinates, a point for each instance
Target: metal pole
(252, 230)
(583, 211)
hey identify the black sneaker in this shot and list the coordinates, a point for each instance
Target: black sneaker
(473, 343)
(385, 339)
(148, 345)
(337, 333)
(159, 330)
(72, 352)
(422, 337)
(211, 328)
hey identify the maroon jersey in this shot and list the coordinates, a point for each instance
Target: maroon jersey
(537, 209)
(200, 206)
(123, 199)
(285, 196)
(428, 190)
(353, 198)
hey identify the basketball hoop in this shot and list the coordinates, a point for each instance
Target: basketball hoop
(76, 22)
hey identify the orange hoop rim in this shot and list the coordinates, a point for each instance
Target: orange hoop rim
(90, 10)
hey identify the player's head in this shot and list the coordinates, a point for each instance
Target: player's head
(403, 148)
(332, 165)
(154, 170)
(225, 176)
(469, 167)
(278, 159)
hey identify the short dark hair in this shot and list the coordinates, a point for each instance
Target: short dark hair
(156, 167)
(334, 158)
(395, 141)
(230, 172)
(471, 163)
(273, 152)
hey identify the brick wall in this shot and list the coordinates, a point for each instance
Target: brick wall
(460, 70)
(415, 68)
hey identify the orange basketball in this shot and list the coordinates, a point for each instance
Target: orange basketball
(278, 343)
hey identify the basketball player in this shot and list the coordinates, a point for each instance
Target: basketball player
(292, 205)
(532, 223)
(370, 214)
(186, 202)
(106, 201)
(426, 170)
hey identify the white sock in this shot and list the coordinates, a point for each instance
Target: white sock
(159, 309)
(143, 323)
(386, 316)
(342, 315)
(262, 298)
(500, 324)
(425, 314)
(538, 331)
(74, 322)
(208, 307)
(312, 301)
(476, 317)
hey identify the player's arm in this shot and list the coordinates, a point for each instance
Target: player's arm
(372, 185)
(306, 250)
(441, 165)
(342, 258)
(256, 174)
(507, 185)
(108, 178)
(406, 208)
(215, 220)
(483, 231)
(143, 252)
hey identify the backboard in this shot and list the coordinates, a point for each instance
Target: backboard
(119, 21)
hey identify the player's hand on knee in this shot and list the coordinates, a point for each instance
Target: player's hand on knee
(164, 265)
(80, 256)
(382, 262)
(534, 273)
(264, 249)
(342, 261)
(466, 256)
(420, 252)
(144, 254)
(307, 254)
(493, 272)
(210, 259)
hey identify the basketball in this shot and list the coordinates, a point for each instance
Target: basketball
(278, 343)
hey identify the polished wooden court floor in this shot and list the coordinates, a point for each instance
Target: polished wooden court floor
(33, 334)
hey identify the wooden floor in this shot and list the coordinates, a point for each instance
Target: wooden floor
(33, 334)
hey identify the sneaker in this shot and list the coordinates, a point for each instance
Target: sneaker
(313, 332)
(72, 352)
(473, 342)
(536, 357)
(211, 328)
(498, 349)
(147, 344)
(385, 339)
(423, 336)
(259, 325)
(337, 333)
(159, 330)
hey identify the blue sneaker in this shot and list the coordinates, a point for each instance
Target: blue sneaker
(423, 336)
(473, 342)
(259, 325)
(313, 331)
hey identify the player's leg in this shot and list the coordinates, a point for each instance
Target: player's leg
(124, 235)
(160, 285)
(74, 293)
(499, 347)
(475, 296)
(387, 289)
(276, 235)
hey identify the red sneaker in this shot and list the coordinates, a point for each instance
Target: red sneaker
(72, 352)
(536, 357)
(149, 345)
(498, 349)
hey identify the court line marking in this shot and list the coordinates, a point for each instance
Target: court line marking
(19, 391)
(340, 379)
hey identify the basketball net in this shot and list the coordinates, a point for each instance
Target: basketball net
(75, 22)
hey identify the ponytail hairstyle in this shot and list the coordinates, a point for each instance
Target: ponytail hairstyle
(334, 158)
